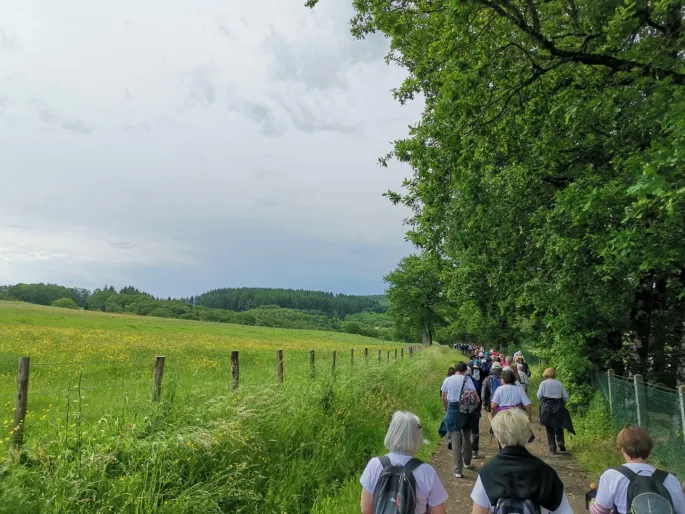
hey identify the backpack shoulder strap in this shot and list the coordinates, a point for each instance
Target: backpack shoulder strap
(413, 464)
(626, 472)
(385, 461)
(660, 475)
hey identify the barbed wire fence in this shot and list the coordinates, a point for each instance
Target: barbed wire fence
(82, 395)
(659, 410)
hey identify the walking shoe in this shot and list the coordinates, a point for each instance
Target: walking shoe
(468, 466)
(449, 445)
(458, 475)
(562, 448)
(553, 452)
(475, 455)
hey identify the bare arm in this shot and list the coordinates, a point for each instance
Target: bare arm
(477, 509)
(367, 502)
(438, 509)
(529, 410)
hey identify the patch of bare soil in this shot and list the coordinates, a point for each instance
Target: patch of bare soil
(576, 481)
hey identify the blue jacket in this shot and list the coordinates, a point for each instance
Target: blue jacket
(454, 420)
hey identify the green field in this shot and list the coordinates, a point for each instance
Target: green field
(94, 442)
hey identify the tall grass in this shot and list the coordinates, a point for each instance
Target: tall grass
(293, 448)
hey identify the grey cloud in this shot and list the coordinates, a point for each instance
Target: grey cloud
(200, 87)
(121, 245)
(54, 119)
(77, 125)
(9, 42)
(302, 61)
(305, 120)
(261, 114)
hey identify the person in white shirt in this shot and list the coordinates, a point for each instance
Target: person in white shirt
(403, 441)
(456, 424)
(612, 491)
(508, 396)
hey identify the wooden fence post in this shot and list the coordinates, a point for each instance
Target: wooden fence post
(388, 356)
(640, 400)
(235, 370)
(402, 352)
(366, 355)
(279, 365)
(157, 379)
(312, 368)
(351, 356)
(378, 356)
(681, 393)
(22, 401)
(395, 353)
(611, 381)
(335, 353)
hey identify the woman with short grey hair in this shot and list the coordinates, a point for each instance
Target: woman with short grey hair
(403, 440)
(515, 478)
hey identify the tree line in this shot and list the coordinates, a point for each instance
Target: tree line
(252, 306)
(548, 177)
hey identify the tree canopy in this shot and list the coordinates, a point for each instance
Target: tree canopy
(548, 170)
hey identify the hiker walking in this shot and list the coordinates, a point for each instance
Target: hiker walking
(490, 384)
(515, 480)
(459, 399)
(397, 482)
(637, 487)
(554, 415)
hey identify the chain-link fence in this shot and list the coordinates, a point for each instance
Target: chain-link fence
(658, 410)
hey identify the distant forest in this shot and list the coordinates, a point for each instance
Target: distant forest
(284, 308)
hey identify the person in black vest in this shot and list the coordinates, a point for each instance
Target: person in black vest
(515, 474)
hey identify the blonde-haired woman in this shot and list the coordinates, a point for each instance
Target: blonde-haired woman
(554, 415)
(403, 441)
(514, 475)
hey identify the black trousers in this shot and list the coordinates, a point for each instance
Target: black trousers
(554, 436)
(475, 436)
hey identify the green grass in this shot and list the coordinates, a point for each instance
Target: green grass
(296, 447)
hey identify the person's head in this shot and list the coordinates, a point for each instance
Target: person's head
(483, 362)
(635, 443)
(481, 354)
(520, 359)
(450, 371)
(508, 376)
(549, 373)
(497, 359)
(511, 427)
(508, 360)
(404, 434)
(476, 363)
(460, 368)
(496, 366)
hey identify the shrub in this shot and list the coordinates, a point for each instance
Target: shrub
(65, 303)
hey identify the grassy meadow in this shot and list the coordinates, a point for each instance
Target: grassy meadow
(95, 443)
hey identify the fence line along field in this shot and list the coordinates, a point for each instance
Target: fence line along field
(95, 442)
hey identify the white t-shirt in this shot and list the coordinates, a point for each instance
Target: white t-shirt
(508, 395)
(429, 489)
(613, 488)
(452, 386)
(479, 496)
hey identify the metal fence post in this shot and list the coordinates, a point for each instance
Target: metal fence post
(612, 395)
(640, 400)
(22, 401)
(681, 394)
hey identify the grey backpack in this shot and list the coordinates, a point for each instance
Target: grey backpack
(395, 491)
(647, 493)
(516, 506)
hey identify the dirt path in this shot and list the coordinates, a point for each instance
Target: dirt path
(576, 481)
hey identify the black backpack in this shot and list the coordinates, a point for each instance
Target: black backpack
(647, 493)
(516, 506)
(395, 491)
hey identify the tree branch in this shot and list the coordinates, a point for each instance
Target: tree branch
(580, 56)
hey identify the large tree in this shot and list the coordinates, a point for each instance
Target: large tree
(549, 168)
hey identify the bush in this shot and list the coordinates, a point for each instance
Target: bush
(65, 303)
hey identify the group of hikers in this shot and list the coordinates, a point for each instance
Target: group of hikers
(513, 481)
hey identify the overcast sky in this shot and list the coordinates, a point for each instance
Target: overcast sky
(186, 145)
